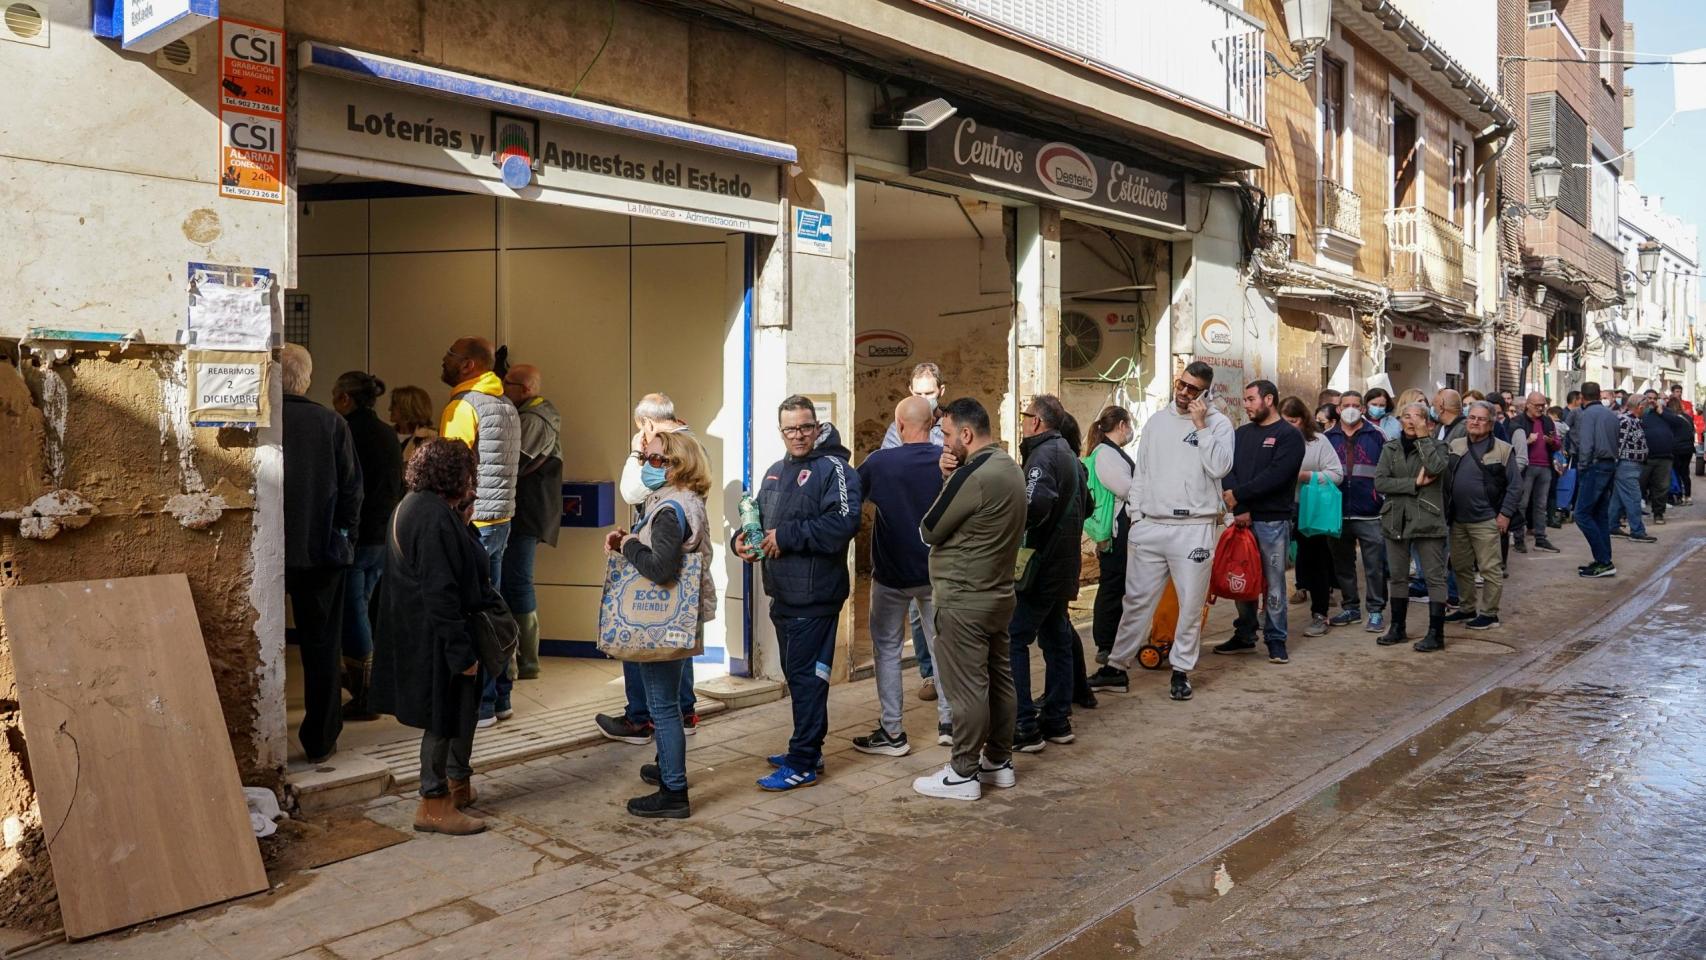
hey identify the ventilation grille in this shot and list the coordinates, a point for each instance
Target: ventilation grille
(24, 23)
(179, 56)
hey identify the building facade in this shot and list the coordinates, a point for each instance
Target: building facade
(1650, 341)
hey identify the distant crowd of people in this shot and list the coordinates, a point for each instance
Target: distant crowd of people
(974, 554)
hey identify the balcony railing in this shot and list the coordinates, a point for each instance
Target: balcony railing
(1341, 210)
(1202, 50)
(1541, 19)
(1427, 254)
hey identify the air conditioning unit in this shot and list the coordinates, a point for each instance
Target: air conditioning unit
(1283, 212)
(1093, 336)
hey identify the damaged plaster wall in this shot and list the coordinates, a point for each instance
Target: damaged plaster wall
(95, 482)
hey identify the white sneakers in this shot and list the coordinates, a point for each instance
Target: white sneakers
(945, 784)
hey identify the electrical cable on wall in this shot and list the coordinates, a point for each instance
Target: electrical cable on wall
(608, 33)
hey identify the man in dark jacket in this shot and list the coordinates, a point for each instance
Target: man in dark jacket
(1055, 497)
(1484, 495)
(1536, 480)
(1358, 444)
(809, 502)
(1661, 444)
(538, 506)
(1260, 492)
(381, 460)
(322, 506)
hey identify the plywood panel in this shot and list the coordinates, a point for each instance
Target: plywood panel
(140, 797)
(421, 303)
(417, 224)
(336, 288)
(566, 310)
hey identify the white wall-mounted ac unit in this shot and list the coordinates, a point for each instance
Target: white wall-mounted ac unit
(1283, 212)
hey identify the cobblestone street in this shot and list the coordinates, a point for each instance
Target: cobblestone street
(1532, 792)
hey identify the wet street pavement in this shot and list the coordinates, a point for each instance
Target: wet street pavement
(1563, 821)
(1534, 791)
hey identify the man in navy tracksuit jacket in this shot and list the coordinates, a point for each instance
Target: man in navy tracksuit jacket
(809, 502)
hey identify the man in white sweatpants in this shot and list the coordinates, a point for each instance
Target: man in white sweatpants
(1175, 505)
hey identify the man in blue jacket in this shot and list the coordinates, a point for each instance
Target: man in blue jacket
(1358, 445)
(809, 502)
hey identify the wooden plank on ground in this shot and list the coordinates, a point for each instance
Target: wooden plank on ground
(140, 799)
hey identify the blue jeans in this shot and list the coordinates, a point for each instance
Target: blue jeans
(1626, 499)
(1046, 622)
(517, 587)
(808, 653)
(494, 691)
(1594, 482)
(662, 680)
(1272, 536)
(634, 685)
(360, 580)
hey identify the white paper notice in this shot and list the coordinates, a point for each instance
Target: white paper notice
(226, 317)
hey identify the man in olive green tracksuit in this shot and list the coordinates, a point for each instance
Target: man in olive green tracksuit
(974, 529)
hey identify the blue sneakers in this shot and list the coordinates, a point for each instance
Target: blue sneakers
(1347, 616)
(781, 760)
(787, 778)
(1376, 622)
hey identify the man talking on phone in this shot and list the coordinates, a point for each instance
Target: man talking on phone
(1175, 504)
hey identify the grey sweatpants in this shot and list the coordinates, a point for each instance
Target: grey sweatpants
(888, 637)
(974, 670)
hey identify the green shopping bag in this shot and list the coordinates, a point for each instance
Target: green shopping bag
(1320, 509)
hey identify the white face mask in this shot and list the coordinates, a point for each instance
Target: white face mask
(1351, 415)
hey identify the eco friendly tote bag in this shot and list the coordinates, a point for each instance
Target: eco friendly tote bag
(642, 620)
(1320, 509)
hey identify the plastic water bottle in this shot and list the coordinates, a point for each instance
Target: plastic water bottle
(752, 524)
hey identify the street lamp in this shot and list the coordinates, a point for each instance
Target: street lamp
(1307, 23)
(1545, 175)
(1647, 257)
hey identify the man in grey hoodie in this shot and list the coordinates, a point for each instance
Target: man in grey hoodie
(538, 506)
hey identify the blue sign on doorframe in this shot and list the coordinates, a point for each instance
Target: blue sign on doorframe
(814, 232)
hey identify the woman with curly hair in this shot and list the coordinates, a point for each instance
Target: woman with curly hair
(424, 659)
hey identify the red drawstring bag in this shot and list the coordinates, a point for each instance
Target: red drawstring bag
(1237, 573)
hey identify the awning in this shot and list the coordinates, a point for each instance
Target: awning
(365, 115)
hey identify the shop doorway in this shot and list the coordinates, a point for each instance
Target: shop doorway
(1114, 287)
(1408, 369)
(933, 281)
(609, 307)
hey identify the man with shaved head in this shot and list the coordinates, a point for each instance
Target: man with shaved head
(479, 416)
(901, 482)
(1448, 414)
(1544, 440)
(538, 505)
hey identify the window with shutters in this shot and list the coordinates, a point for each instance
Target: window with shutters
(1333, 120)
(1557, 130)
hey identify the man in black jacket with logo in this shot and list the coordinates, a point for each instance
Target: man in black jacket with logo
(1055, 495)
(809, 502)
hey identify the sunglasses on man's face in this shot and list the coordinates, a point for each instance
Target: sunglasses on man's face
(1188, 389)
(657, 460)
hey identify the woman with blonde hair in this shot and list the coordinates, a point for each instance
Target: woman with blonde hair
(413, 418)
(674, 522)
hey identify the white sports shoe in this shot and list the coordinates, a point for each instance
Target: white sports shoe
(1001, 777)
(945, 784)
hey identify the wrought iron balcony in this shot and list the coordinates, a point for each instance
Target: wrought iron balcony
(1202, 50)
(1341, 210)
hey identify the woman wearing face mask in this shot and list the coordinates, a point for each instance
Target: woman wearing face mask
(1377, 404)
(1326, 417)
(1110, 471)
(1314, 554)
(675, 523)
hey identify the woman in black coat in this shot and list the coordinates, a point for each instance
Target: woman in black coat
(424, 659)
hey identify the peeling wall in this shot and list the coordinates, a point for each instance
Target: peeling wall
(138, 493)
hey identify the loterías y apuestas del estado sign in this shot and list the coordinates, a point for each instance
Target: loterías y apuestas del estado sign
(966, 150)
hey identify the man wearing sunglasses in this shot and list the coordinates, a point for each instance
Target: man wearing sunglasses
(1182, 455)
(809, 502)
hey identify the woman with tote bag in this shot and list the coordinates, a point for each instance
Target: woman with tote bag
(1314, 553)
(674, 524)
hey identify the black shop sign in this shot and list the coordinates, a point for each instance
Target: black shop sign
(965, 150)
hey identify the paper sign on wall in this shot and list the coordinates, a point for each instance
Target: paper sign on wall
(230, 308)
(251, 112)
(229, 388)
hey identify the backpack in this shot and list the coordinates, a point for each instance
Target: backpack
(1098, 521)
(1237, 572)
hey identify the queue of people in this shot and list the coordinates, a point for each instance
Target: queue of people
(975, 554)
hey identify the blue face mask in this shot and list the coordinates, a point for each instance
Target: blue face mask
(1376, 411)
(653, 477)
(1433, 412)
